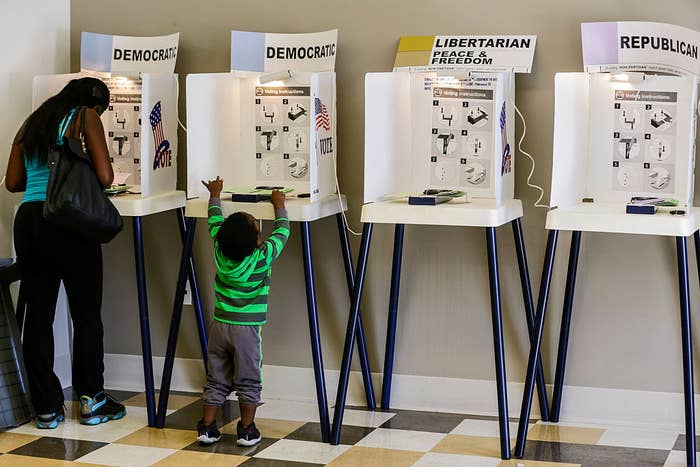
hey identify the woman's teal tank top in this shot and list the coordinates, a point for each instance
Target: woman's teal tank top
(38, 172)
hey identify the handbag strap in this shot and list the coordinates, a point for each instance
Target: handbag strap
(63, 126)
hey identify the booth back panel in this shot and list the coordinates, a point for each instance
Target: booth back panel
(211, 120)
(570, 140)
(387, 134)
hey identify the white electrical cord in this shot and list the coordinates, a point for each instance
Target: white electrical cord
(337, 183)
(532, 160)
(2, 182)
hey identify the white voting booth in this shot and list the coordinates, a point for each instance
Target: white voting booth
(626, 126)
(271, 121)
(444, 118)
(141, 121)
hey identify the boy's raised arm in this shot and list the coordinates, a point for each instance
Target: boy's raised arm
(272, 247)
(216, 217)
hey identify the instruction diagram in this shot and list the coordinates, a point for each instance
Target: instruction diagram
(122, 123)
(462, 127)
(644, 134)
(282, 132)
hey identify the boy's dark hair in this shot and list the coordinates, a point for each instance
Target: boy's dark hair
(237, 237)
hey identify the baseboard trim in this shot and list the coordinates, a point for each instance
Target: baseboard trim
(580, 404)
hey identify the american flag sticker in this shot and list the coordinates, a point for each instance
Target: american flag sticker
(163, 155)
(321, 113)
(507, 157)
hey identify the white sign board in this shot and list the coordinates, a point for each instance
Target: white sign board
(643, 46)
(125, 54)
(270, 52)
(494, 53)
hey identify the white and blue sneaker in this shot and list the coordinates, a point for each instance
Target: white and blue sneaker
(100, 409)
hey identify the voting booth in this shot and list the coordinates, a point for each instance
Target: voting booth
(271, 121)
(624, 129)
(141, 121)
(623, 163)
(444, 118)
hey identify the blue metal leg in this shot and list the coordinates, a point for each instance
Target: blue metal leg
(497, 323)
(196, 297)
(143, 319)
(530, 312)
(350, 333)
(536, 342)
(316, 353)
(191, 223)
(687, 341)
(393, 315)
(360, 334)
(565, 325)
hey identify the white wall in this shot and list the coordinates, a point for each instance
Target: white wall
(36, 40)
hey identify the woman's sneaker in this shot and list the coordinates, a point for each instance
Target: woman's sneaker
(100, 409)
(249, 436)
(207, 434)
(50, 421)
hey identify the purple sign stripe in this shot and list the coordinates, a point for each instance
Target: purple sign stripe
(599, 42)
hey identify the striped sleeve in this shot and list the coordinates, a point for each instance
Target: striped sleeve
(216, 218)
(272, 247)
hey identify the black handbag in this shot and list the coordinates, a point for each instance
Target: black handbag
(75, 199)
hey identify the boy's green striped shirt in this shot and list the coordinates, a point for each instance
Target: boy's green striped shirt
(242, 286)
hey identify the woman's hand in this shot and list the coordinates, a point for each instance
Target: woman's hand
(215, 187)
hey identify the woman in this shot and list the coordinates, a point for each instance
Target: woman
(48, 254)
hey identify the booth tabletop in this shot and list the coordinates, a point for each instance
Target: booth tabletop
(134, 205)
(299, 210)
(458, 212)
(612, 218)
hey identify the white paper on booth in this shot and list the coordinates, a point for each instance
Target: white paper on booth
(639, 142)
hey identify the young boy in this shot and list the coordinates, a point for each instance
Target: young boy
(242, 282)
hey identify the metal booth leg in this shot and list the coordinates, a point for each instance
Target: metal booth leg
(360, 334)
(393, 316)
(535, 342)
(686, 339)
(530, 313)
(497, 323)
(143, 320)
(312, 308)
(350, 333)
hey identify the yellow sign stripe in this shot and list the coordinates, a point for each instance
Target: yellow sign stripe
(416, 43)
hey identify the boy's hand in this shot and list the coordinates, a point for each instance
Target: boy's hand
(214, 186)
(277, 199)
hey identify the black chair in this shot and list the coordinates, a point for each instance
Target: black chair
(15, 407)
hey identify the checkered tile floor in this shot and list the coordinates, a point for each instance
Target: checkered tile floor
(291, 438)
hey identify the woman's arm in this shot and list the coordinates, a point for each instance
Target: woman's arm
(16, 175)
(97, 148)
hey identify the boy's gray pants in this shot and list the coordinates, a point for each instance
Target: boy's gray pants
(235, 359)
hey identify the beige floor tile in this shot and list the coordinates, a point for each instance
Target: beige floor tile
(269, 428)
(208, 459)
(12, 460)
(524, 463)
(482, 446)
(10, 441)
(375, 457)
(167, 438)
(175, 401)
(565, 434)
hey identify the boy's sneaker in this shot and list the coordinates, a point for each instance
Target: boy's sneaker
(100, 409)
(208, 434)
(50, 421)
(249, 436)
